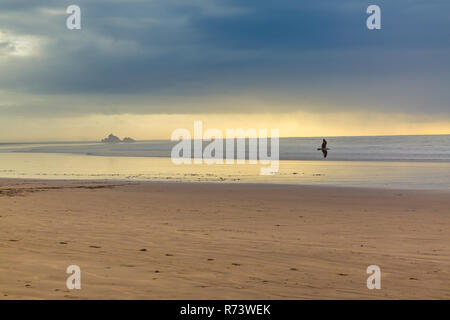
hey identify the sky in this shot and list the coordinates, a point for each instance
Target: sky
(143, 68)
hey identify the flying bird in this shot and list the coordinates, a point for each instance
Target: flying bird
(324, 148)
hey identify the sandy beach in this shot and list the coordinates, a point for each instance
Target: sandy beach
(220, 241)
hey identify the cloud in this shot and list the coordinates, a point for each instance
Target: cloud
(18, 45)
(211, 56)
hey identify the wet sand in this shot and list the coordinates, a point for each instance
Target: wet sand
(220, 241)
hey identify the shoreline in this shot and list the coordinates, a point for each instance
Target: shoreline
(220, 241)
(224, 183)
(392, 175)
(319, 160)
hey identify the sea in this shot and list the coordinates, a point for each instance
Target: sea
(394, 162)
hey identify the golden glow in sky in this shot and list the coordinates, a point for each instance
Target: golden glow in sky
(146, 127)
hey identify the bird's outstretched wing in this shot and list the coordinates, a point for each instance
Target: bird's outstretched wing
(324, 144)
(325, 152)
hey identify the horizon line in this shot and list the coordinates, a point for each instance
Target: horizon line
(291, 137)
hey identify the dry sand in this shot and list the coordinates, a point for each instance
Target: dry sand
(220, 241)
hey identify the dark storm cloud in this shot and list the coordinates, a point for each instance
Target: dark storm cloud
(292, 54)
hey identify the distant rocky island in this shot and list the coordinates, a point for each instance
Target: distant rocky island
(128, 140)
(114, 139)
